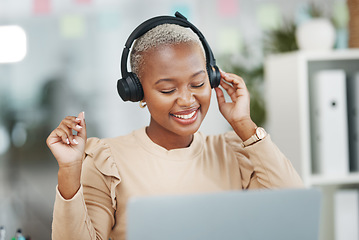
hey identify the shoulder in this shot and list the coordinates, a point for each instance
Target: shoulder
(223, 146)
(99, 155)
(103, 152)
(102, 147)
(228, 139)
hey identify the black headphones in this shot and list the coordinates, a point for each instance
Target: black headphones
(129, 86)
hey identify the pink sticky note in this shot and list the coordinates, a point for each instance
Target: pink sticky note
(41, 6)
(227, 7)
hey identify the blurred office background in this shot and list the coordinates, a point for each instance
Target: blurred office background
(71, 65)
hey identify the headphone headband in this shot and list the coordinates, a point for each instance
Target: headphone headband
(143, 28)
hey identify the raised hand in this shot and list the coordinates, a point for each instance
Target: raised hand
(236, 111)
(69, 149)
(66, 147)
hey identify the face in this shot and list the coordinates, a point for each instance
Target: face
(176, 88)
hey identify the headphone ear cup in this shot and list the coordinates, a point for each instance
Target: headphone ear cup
(130, 88)
(214, 76)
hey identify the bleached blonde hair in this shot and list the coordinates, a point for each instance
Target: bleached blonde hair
(164, 34)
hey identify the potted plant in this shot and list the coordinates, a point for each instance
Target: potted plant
(317, 33)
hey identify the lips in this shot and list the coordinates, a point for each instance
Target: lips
(185, 117)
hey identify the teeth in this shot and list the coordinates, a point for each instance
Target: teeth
(188, 116)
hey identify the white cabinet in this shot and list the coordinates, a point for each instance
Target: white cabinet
(287, 84)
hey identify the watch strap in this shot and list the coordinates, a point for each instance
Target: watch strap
(254, 138)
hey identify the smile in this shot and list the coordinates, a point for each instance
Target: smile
(187, 116)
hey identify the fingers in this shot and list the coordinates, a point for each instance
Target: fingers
(83, 133)
(220, 96)
(66, 129)
(234, 80)
(233, 85)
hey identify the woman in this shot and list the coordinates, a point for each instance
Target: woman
(97, 176)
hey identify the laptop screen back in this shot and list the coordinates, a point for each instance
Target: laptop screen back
(249, 215)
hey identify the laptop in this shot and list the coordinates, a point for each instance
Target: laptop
(249, 215)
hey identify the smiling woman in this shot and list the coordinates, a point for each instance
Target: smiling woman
(177, 92)
(174, 78)
(13, 45)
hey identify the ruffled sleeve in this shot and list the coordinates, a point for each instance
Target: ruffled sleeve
(245, 165)
(100, 152)
(263, 165)
(90, 213)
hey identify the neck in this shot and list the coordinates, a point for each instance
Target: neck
(167, 139)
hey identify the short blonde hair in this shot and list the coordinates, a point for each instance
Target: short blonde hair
(164, 34)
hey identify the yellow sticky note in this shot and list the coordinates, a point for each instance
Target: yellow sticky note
(72, 26)
(268, 16)
(230, 40)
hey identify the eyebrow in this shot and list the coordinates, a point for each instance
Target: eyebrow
(171, 80)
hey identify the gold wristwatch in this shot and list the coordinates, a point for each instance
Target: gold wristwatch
(259, 135)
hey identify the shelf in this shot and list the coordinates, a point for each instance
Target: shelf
(332, 55)
(288, 80)
(318, 180)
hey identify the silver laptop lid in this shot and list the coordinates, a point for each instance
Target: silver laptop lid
(248, 215)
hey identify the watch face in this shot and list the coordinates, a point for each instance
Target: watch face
(261, 133)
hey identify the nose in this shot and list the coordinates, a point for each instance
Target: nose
(185, 98)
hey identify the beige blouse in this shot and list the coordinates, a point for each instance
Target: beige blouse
(116, 169)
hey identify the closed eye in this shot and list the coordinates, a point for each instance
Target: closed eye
(167, 91)
(198, 86)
